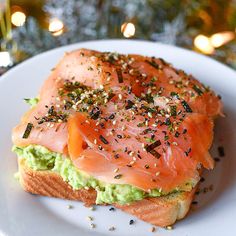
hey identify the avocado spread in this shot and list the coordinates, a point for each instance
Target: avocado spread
(40, 158)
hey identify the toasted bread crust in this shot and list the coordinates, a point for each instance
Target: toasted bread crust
(159, 211)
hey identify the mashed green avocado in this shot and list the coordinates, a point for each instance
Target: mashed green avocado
(40, 158)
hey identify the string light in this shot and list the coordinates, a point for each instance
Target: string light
(18, 18)
(5, 59)
(203, 43)
(222, 38)
(207, 45)
(128, 29)
(56, 26)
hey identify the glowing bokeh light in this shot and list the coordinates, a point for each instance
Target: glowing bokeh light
(203, 43)
(219, 39)
(5, 59)
(56, 27)
(128, 29)
(18, 18)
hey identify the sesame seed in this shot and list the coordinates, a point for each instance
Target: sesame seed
(116, 170)
(157, 173)
(174, 143)
(95, 141)
(92, 225)
(90, 218)
(152, 229)
(131, 153)
(87, 121)
(114, 122)
(86, 188)
(69, 206)
(144, 75)
(120, 96)
(132, 162)
(112, 228)
(131, 71)
(101, 86)
(92, 208)
(169, 227)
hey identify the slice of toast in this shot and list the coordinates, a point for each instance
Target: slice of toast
(159, 211)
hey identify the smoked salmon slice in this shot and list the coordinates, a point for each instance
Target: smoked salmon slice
(125, 119)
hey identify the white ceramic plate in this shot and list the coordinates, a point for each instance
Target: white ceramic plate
(23, 214)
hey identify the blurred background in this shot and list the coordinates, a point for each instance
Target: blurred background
(29, 27)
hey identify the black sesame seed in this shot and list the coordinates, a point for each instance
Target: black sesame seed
(131, 222)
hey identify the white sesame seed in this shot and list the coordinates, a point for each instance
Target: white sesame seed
(114, 122)
(174, 143)
(116, 170)
(57, 105)
(123, 128)
(169, 227)
(157, 173)
(134, 158)
(132, 162)
(101, 86)
(95, 141)
(155, 164)
(131, 153)
(144, 75)
(58, 98)
(120, 96)
(150, 114)
(86, 188)
(87, 121)
(136, 80)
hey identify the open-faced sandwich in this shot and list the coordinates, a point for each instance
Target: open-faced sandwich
(126, 130)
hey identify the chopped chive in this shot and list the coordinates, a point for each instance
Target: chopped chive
(186, 107)
(155, 154)
(153, 145)
(153, 64)
(197, 90)
(119, 75)
(173, 110)
(27, 130)
(103, 139)
(129, 105)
